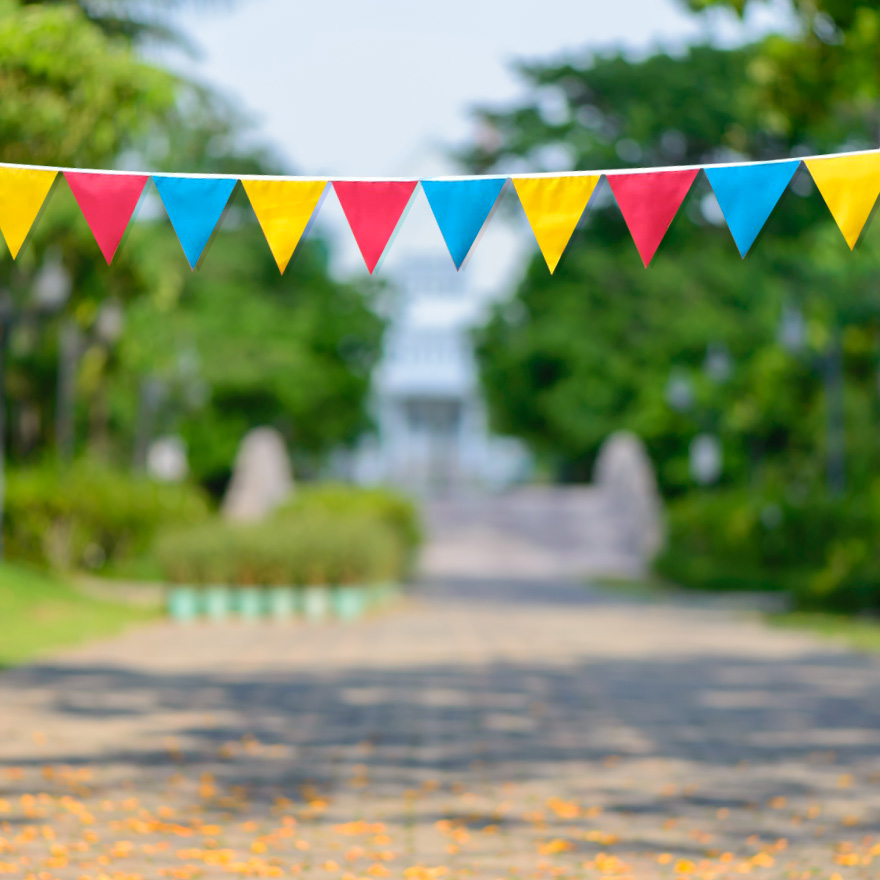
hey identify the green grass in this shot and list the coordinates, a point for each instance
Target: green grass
(858, 633)
(640, 588)
(39, 613)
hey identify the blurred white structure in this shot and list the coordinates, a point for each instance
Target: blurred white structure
(432, 435)
(261, 478)
(168, 459)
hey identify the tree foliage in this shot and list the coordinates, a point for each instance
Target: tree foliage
(824, 75)
(603, 343)
(232, 346)
(72, 95)
(138, 21)
(573, 357)
(237, 345)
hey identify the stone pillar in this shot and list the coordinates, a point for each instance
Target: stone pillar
(261, 479)
(624, 474)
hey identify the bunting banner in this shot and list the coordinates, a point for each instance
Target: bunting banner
(107, 202)
(195, 206)
(850, 186)
(374, 209)
(285, 209)
(462, 208)
(649, 203)
(23, 192)
(553, 204)
(747, 195)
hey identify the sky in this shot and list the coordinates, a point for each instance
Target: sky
(386, 87)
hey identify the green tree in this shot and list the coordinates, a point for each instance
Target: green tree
(139, 21)
(823, 75)
(72, 94)
(570, 358)
(292, 351)
(591, 349)
(236, 345)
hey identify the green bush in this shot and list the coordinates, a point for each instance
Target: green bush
(295, 549)
(825, 551)
(701, 572)
(337, 499)
(88, 515)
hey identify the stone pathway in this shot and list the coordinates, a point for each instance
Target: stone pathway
(482, 730)
(536, 531)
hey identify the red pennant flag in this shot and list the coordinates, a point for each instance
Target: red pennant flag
(373, 209)
(107, 201)
(649, 203)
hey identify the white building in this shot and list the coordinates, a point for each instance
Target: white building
(432, 435)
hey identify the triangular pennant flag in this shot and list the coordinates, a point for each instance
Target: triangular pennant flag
(461, 209)
(22, 193)
(195, 206)
(649, 202)
(374, 209)
(553, 206)
(850, 186)
(284, 208)
(107, 202)
(747, 195)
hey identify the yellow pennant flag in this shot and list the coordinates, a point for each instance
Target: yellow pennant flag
(850, 186)
(284, 209)
(22, 193)
(553, 206)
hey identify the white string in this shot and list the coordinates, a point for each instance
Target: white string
(452, 177)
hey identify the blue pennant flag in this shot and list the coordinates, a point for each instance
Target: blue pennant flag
(461, 208)
(195, 206)
(747, 195)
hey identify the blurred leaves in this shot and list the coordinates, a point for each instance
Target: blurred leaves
(232, 346)
(821, 80)
(608, 111)
(293, 351)
(72, 95)
(573, 357)
(138, 21)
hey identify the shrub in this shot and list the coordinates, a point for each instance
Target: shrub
(86, 515)
(397, 511)
(825, 551)
(296, 549)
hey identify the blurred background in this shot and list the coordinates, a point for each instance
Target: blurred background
(748, 392)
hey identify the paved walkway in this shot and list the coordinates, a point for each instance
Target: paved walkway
(482, 730)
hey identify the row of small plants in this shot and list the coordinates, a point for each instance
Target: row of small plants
(305, 561)
(318, 602)
(298, 548)
(333, 549)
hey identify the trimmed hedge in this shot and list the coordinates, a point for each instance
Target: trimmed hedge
(292, 550)
(392, 508)
(86, 515)
(824, 551)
